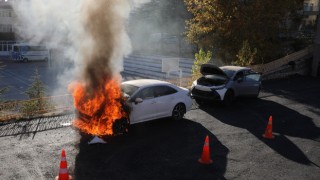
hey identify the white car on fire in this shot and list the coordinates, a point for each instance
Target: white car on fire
(150, 99)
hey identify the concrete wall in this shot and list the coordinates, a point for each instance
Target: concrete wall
(150, 66)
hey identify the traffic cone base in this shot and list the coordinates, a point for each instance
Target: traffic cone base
(57, 178)
(205, 162)
(268, 137)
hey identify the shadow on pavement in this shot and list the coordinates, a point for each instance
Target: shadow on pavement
(302, 89)
(253, 115)
(26, 127)
(161, 149)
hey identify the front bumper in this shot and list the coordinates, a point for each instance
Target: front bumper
(205, 95)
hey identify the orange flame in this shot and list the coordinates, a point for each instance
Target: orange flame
(100, 110)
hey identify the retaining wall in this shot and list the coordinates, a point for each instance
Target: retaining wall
(150, 66)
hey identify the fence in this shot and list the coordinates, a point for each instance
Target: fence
(36, 107)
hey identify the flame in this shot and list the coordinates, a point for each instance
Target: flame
(99, 110)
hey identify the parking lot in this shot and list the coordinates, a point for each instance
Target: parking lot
(165, 149)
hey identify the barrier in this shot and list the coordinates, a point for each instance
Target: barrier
(271, 66)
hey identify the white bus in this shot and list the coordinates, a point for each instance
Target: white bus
(25, 52)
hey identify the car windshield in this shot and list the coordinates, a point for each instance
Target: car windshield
(229, 73)
(129, 89)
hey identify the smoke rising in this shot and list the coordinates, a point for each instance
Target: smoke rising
(104, 24)
(89, 34)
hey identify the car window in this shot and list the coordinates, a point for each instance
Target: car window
(129, 89)
(163, 91)
(239, 75)
(229, 73)
(252, 77)
(146, 93)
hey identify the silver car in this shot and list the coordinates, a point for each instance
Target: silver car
(225, 83)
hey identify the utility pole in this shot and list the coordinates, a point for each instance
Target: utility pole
(316, 50)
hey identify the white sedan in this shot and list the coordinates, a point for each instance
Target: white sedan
(151, 99)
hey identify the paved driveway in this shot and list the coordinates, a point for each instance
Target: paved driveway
(165, 149)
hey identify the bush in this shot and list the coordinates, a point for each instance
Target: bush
(245, 55)
(201, 57)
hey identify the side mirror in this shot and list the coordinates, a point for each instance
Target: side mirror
(138, 100)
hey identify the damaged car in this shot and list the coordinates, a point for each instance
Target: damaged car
(225, 83)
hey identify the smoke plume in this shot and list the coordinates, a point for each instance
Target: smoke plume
(88, 37)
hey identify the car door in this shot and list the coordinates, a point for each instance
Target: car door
(252, 81)
(165, 98)
(247, 83)
(239, 85)
(144, 110)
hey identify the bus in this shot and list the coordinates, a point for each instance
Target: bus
(25, 52)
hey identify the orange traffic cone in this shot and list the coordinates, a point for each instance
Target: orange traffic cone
(205, 158)
(268, 133)
(63, 171)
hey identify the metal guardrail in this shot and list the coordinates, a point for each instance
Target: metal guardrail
(271, 66)
(36, 107)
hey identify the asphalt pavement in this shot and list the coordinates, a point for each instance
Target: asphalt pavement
(166, 149)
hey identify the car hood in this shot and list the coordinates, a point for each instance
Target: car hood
(210, 69)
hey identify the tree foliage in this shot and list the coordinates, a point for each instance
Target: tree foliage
(37, 88)
(36, 94)
(245, 56)
(3, 89)
(223, 25)
(201, 57)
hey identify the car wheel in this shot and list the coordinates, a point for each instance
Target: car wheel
(25, 60)
(46, 59)
(120, 126)
(228, 98)
(178, 111)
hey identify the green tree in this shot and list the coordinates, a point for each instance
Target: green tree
(201, 57)
(3, 89)
(245, 55)
(223, 25)
(36, 94)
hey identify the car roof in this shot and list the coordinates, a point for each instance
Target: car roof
(146, 82)
(234, 68)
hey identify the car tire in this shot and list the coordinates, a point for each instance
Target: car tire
(25, 60)
(120, 126)
(228, 98)
(45, 59)
(178, 111)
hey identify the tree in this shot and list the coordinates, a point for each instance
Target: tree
(223, 25)
(36, 94)
(201, 57)
(3, 89)
(245, 56)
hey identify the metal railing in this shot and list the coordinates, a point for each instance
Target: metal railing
(271, 66)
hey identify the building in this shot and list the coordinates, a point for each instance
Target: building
(7, 22)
